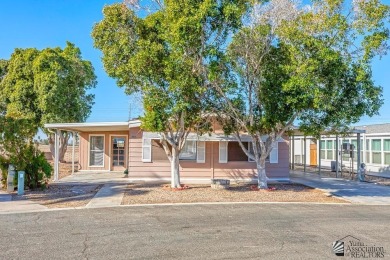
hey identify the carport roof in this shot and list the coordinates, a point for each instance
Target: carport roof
(94, 127)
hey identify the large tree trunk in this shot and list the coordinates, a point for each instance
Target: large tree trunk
(175, 171)
(261, 175)
(63, 145)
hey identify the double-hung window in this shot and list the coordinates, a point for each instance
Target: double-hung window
(386, 150)
(189, 151)
(376, 150)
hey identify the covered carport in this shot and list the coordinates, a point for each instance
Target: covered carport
(298, 135)
(76, 128)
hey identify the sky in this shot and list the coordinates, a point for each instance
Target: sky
(48, 23)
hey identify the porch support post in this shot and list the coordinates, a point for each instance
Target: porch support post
(360, 176)
(304, 154)
(56, 152)
(293, 152)
(73, 144)
(337, 155)
(319, 155)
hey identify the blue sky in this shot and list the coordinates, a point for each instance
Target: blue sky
(48, 23)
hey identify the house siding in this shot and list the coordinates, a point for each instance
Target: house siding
(211, 168)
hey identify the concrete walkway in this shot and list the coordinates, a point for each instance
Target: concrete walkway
(94, 178)
(4, 196)
(109, 195)
(353, 191)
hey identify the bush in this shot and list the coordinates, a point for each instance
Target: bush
(4, 170)
(37, 168)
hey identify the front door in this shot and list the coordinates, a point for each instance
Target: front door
(313, 155)
(118, 153)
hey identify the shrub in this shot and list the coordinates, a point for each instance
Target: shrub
(4, 170)
(37, 168)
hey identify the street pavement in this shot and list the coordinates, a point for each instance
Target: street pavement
(236, 231)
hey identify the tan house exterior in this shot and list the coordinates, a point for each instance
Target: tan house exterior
(113, 147)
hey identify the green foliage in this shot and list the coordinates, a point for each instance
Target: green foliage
(47, 86)
(163, 55)
(3, 170)
(314, 68)
(38, 170)
(39, 87)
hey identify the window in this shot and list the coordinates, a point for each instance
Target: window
(368, 158)
(376, 149)
(345, 154)
(354, 142)
(96, 151)
(189, 151)
(386, 149)
(146, 150)
(323, 149)
(235, 152)
(329, 149)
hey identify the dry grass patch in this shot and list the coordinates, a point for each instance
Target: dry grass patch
(61, 196)
(151, 194)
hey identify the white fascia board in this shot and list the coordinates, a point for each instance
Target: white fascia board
(134, 123)
(207, 137)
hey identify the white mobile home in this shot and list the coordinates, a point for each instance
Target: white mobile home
(374, 144)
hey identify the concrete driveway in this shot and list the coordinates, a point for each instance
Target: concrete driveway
(353, 191)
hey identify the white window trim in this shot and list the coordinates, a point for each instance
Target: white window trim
(200, 150)
(89, 151)
(385, 152)
(375, 151)
(150, 150)
(274, 154)
(226, 152)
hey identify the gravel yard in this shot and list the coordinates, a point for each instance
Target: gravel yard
(61, 196)
(150, 194)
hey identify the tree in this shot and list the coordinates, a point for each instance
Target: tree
(48, 86)
(307, 64)
(163, 56)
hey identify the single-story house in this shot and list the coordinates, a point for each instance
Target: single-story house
(115, 146)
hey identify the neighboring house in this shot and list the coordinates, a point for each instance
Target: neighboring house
(116, 146)
(374, 143)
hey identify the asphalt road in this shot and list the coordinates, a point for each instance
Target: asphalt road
(266, 231)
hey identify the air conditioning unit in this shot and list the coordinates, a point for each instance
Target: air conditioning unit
(333, 166)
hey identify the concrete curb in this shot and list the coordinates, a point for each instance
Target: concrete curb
(193, 204)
